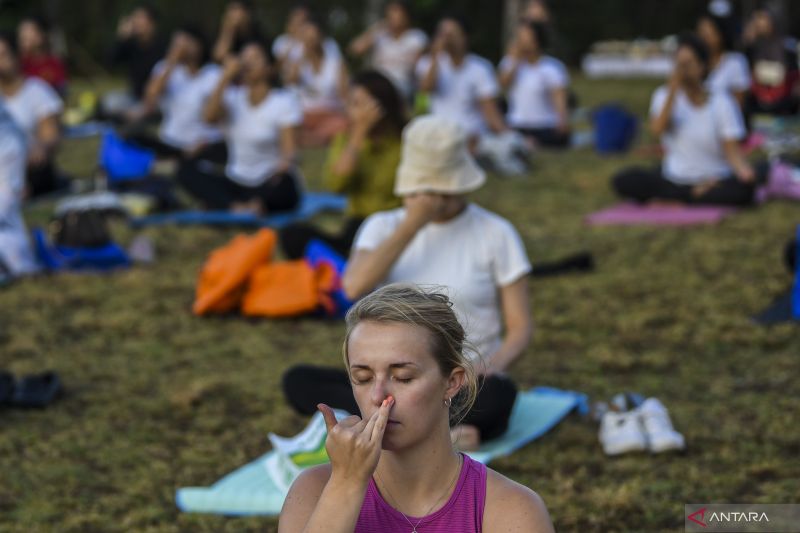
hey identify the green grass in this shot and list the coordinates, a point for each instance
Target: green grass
(158, 399)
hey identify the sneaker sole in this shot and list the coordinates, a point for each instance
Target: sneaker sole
(618, 449)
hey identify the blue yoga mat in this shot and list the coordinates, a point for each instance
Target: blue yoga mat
(250, 491)
(311, 204)
(85, 130)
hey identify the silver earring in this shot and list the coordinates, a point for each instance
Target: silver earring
(448, 402)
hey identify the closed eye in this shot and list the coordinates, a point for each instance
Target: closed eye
(364, 379)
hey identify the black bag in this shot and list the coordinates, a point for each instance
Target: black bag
(82, 229)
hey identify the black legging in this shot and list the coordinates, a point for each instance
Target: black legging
(216, 191)
(790, 255)
(645, 184)
(548, 137)
(305, 386)
(216, 152)
(295, 237)
(150, 142)
(41, 179)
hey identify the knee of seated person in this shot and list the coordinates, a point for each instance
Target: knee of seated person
(621, 181)
(295, 382)
(745, 195)
(301, 370)
(294, 238)
(184, 170)
(294, 376)
(494, 431)
(501, 389)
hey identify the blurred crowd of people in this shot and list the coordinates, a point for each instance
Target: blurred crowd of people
(234, 114)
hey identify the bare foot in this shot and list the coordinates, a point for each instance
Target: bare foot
(252, 207)
(465, 438)
(703, 188)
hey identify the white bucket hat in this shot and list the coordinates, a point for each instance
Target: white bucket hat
(435, 159)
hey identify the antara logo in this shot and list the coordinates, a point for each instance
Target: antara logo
(738, 516)
(699, 517)
(702, 514)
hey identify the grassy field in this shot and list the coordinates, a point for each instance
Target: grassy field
(158, 399)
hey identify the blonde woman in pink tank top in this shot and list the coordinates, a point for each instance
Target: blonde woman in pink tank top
(394, 469)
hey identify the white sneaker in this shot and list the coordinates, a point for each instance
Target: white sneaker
(661, 435)
(622, 433)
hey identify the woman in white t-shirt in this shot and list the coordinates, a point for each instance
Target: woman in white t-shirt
(321, 79)
(537, 86)
(239, 26)
(462, 86)
(260, 122)
(728, 69)
(36, 108)
(700, 132)
(16, 253)
(288, 47)
(440, 238)
(180, 85)
(395, 46)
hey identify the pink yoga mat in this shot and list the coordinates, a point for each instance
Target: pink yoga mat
(627, 214)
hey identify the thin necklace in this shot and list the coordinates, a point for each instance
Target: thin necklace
(394, 502)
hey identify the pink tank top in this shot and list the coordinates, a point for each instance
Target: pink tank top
(463, 512)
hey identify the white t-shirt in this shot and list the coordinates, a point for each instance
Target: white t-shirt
(530, 100)
(34, 101)
(16, 252)
(693, 143)
(473, 255)
(732, 74)
(320, 89)
(182, 105)
(459, 89)
(287, 47)
(396, 57)
(254, 132)
(284, 44)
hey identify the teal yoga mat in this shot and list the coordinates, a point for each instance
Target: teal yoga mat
(249, 490)
(311, 204)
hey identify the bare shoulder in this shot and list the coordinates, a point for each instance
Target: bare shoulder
(310, 482)
(303, 497)
(513, 507)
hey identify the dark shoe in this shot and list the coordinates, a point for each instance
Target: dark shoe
(6, 387)
(36, 390)
(778, 312)
(581, 262)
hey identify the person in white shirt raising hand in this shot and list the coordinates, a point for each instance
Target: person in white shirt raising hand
(537, 86)
(261, 121)
(395, 45)
(440, 238)
(700, 132)
(462, 86)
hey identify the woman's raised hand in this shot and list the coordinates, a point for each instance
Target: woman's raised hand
(365, 115)
(354, 445)
(231, 68)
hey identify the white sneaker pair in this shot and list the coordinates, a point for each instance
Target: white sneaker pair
(648, 427)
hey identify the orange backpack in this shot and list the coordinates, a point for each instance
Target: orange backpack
(290, 288)
(240, 275)
(225, 274)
